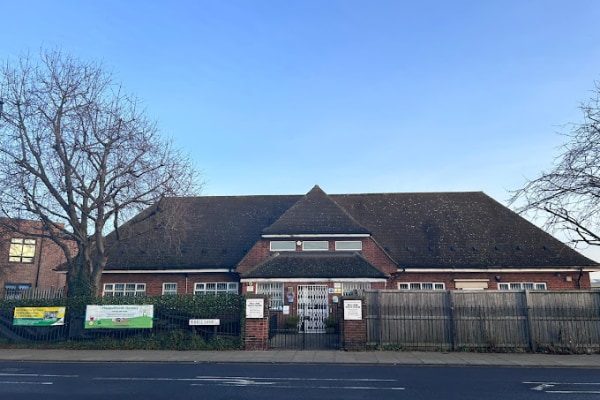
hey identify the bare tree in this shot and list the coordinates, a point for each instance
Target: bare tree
(568, 197)
(80, 155)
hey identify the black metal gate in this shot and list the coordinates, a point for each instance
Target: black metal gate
(287, 331)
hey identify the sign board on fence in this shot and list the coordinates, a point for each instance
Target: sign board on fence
(255, 308)
(205, 322)
(353, 310)
(39, 316)
(119, 316)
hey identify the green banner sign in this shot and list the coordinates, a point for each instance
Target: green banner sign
(119, 316)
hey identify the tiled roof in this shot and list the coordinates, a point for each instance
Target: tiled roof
(315, 213)
(315, 265)
(428, 230)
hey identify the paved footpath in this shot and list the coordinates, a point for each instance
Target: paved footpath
(308, 357)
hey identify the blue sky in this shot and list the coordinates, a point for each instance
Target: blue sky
(273, 97)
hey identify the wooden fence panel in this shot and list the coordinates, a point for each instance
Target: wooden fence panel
(490, 320)
(566, 321)
(418, 320)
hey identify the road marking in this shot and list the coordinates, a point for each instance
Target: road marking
(41, 375)
(279, 383)
(25, 383)
(551, 387)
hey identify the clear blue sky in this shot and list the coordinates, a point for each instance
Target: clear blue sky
(273, 97)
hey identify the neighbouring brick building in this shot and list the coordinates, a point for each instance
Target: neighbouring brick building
(306, 251)
(27, 259)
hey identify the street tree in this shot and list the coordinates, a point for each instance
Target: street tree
(80, 155)
(567, 198)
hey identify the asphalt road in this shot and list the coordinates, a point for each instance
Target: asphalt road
(28, 380)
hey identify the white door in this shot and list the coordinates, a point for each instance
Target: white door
(313, 307)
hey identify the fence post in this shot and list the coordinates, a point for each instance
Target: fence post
(528, 318)
(256, 332)
(451, 321)
(354, 325)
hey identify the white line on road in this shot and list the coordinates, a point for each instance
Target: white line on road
(551, 387)
(24, 383)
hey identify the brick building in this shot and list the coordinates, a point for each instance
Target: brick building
(306, 251)
(27, 259)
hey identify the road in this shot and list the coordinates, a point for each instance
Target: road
(28, 380)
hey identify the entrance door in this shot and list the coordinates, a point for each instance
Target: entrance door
(313, 307)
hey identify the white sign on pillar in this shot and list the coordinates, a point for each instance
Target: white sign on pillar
(353, 310)
(255, 308)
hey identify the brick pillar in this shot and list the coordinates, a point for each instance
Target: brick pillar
(256, 329)
(353, 324)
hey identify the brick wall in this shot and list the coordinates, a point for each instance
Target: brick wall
(154, 282)
(256, 330)
(39, 273)
(554, 281)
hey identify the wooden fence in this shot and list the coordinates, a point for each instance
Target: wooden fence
(555, 321)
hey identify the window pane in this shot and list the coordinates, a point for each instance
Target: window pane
(415, 286)
(284, 245)
(308, 245)
(348, 245)
(515, 286)
(427, 286)
(403, 286)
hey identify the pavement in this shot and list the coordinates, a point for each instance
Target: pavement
(408, 358)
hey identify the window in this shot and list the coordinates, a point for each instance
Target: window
(12, 291)
(275, 292)
(421, 286)
(215, 287)
(310, 245)
(283, 245)
(169, 288)
(21, 250)
(522, 286)
(354, 288)
(348, 245)
(124, 289)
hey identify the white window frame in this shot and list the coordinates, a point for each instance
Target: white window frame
(348, 245)
(22, 250)
(202, 288)
(522, 286)
(317, 245)
(421, 286)
(282, 245)
(274, 290)
(353, 288)
(124, 289)
(169, 288)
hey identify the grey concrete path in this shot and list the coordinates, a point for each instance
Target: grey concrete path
(307, 357)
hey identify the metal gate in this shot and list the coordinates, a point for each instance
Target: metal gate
(314, 326)
(313, 308)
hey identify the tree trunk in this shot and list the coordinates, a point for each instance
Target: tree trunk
(79, 280)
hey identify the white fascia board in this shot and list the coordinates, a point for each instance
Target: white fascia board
(370, 280)
(171, 271)
(294, 236)
(508, 269)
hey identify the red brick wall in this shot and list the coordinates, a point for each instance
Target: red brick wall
(371, 251)
(554, 281)
(40, 273)
(154, 282)
(256, 330)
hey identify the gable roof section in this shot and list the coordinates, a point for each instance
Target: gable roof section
(315, 265)
(456, 230)
(205, 232)
(315, 214)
